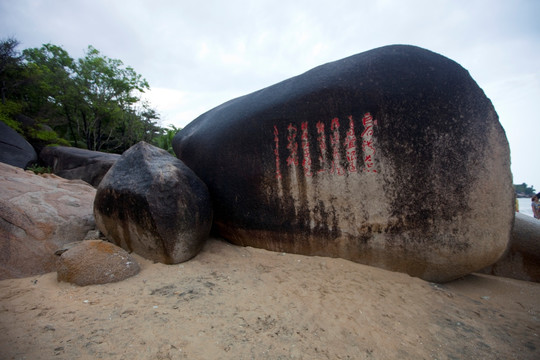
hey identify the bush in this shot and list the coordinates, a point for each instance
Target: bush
(42, 137)
(7, 112)
(38, 169)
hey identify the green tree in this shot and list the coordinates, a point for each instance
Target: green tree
(108, 90)
(10, 67)
(53, 95)
(164, 140)
(94, 102)
(524, 189)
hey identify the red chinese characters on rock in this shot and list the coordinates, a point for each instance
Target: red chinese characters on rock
(321, 139)
(292, 159)
(306, 162)
(350, 147)
(331, 163)
(367, 142)
(334, 141)
(276, 153)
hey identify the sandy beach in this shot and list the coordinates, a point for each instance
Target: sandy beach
(231, 302)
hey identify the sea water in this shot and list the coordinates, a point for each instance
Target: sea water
(525, 206)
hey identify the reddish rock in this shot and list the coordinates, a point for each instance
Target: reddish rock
(38, 214)
(95, 262)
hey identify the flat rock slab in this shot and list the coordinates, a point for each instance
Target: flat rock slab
(39, 214)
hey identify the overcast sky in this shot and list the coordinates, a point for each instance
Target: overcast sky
(199, 54)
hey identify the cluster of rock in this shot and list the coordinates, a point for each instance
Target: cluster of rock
(393, 158)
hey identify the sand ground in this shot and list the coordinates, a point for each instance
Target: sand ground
(231, 302)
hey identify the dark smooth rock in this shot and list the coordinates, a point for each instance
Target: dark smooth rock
(74, 163)
(522, 259)
(14, 149)
(93, 262)
(393, 157)
(152, 204)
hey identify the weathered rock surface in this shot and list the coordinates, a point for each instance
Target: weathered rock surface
(152, 204)
(393, 158)
(74, 163)
(14, 149)
(522, 259)
(38, 214)
(95, 262)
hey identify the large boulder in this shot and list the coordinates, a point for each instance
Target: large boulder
(152, 204)
(93, 262)
(522, 259)
(74, 163)
(393, 157)
(14, 149)
(38, 214)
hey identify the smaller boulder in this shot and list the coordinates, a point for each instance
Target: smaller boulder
(151, 204)
(521, 260)
(74, 163)
(14, 149)
(93, 262)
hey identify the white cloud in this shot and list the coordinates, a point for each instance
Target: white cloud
(197, 55)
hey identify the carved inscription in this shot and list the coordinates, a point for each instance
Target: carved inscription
(367, 143)
(306, 162)
(332, 163)
(336, 156)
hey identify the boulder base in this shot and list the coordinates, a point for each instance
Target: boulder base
(152, 204)
(393, 158)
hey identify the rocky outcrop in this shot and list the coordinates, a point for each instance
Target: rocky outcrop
(392, 158)
(93, 262)
(152, 204)
(38, 214)
(522, 259)
(14, 149)
(74, 163)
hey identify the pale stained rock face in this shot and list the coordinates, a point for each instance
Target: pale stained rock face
(38, 214)
(95, 262)
(152, 204)
(393, 158)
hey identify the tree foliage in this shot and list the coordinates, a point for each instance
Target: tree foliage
(94, 102)
(10, 67)
(524, 189)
